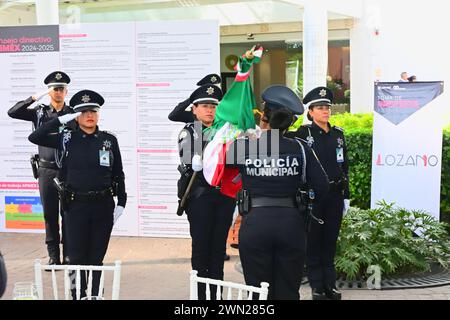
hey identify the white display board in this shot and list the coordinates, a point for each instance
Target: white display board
(407, 152)
(143, 70)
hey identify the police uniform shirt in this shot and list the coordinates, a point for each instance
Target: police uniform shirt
(276, 176)
(91, 161)
(330, 148)
(192, 140)
(38, 116)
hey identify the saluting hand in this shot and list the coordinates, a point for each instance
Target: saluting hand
(38, 96)
(68, 117)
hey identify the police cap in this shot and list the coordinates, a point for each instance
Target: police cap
(279, 96)
(320, 96)
(57, 79)
(206, 94)
(210, 79)
(86, 100)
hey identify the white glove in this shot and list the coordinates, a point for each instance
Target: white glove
(197, 164)
(38, 96)
(68, 117)
(346, 206)
(254, 134)
(117, 213)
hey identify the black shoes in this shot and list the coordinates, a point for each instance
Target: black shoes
(318, 294)
(54, 260)
(327, 293)
(332, 293)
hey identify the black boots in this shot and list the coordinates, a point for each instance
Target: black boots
(327, 293)
(332, 293)
(318, 294)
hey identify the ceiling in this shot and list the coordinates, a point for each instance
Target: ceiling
(227, 12)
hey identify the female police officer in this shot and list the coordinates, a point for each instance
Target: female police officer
(92, 173)
(329, 144)
(273, 168)
(209, 212)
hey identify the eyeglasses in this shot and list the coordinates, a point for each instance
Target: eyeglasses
(327, 108)
(61, 89)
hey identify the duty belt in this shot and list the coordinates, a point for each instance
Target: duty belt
(48, 164)
(273, 202)
(90, 195)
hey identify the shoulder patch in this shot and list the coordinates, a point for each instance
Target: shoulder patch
(183, 134)
(338, 128)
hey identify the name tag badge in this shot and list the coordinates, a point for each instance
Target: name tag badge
(104, 158)
(340, 155)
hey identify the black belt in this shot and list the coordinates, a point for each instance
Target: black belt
(90, 195)
(48, 164)
(273, 202)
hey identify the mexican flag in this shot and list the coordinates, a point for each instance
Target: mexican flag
(234, 117)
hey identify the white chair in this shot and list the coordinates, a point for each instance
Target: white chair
(38, 277)
(244, 292)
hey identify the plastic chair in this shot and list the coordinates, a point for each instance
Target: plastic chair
(244, 292)
(38, 276)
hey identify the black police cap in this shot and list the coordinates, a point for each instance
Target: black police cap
(210, 79)
(86, 100)
(206, 94)
(320, 96)
(279, 96)
(57, 79)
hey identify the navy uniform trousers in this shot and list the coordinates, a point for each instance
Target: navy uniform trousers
(88, 230)
(210, 216)
(272, 246)
(50, 204)
(321, 241)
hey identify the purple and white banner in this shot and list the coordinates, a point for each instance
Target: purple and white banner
(407, 145)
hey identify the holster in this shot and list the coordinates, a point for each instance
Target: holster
(305, 202)
(182, 184)
(243, 202)
(64, 198)
(34, 161)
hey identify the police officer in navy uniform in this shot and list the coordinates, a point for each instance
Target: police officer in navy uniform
(92, 173)
(180, 112)
(274, 168)
(209, 212)
(183, 113)
(57, 90)
(328, 142)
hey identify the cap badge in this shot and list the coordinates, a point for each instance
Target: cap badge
(58, 76)
(323, 93)
(85, 98)
(210, 90)
(213, 79)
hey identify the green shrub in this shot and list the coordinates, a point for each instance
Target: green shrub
(385, 237)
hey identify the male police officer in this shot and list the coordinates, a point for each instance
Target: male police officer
(92, 174)
(57, 90)
(179, 113)
(329, 144)
(273, 169)
(209, 211)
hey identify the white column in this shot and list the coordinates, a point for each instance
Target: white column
(315, 45)
(47, 12)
